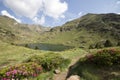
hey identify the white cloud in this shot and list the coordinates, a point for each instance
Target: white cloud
(40, 21)
(118, 2)
(5, 13)
(80, 13)
(118, 13)
(27, 8)
(32, 8)
(62, 16)
(54, 8)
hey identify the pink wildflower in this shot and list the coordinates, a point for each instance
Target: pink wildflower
(34, 75)
(8, 74)
(15, 71)
(89, 56)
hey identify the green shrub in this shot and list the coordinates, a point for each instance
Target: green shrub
(92, 46)
(26, 45)
(108, 43)
(36, 47)
(20, 71)
(49, 61)
(106, 57)
(99, 44)
(118, 44)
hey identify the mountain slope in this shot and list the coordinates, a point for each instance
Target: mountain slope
(10, 30)
(85, 31)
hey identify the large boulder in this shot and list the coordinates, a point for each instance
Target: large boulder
(74, 77)
(57, 71)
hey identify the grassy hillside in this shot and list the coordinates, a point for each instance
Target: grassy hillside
(10, 54)
(11, 31)
(90, 29)
(32, 45)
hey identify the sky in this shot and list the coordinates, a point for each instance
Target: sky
(52, 13)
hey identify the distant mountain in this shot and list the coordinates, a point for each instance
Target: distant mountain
(10, 30)
(90, 29)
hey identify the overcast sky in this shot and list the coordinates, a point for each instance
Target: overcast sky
(54, 12)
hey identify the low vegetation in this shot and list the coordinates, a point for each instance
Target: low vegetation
(33, 66)
(90, 29)
(106, 57)
(32, 52)
(49, 61)
(102, 44)
(102, 65)
(20, 71)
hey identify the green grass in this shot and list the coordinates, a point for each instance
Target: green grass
(44, 76)
(15, 52)
(74, 38)
(80, 34)
(70, 38)
(73, 53)
(11, 31)
(88, 71)
(85, 31)
(10, 54)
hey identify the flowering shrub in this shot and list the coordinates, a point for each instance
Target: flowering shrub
(106, 57)
(20, 71)
(49, 61)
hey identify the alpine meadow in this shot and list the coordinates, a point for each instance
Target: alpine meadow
(86, 47)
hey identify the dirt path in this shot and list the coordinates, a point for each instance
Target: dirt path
(62, 75)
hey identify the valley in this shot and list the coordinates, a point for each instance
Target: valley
(72, 48)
